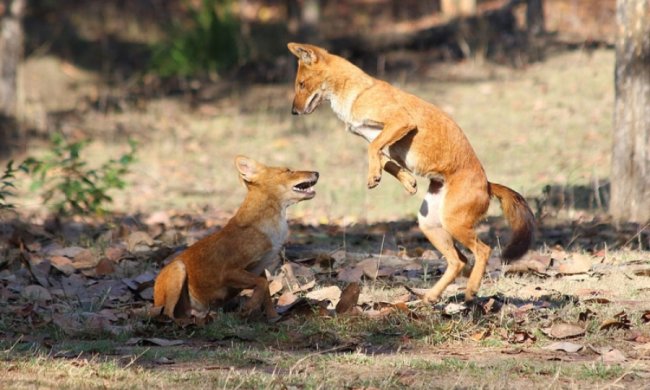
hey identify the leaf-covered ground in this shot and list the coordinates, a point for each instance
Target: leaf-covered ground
(574, 312)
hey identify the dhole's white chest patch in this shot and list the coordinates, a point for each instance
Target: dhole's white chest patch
(276, 232)
(367, 129)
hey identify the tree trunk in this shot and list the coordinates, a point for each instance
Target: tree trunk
(11, 52)
(630, 199)
(535, 29)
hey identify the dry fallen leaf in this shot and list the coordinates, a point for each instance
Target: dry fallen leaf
(480, 335)
(350, 275)
(349, 298)
(455, 308)
(286, 300)
(612, 356)
(563, 331)
(104, 267)
(564, 346)
(139, 241)
(331, 294)
(63, 264)
(85, 259)
(578, 263)
(36, 292)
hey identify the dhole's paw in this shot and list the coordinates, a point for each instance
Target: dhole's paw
(409, 183)
(373, 180)
(430, 298)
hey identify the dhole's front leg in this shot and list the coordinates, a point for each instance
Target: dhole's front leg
(391, 133)
(401, 174)
(241, 279)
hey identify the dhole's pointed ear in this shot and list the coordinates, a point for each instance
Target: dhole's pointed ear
(306, 53)
(248, 168)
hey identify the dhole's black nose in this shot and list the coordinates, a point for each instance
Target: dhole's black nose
(316, 173)
(294, 111)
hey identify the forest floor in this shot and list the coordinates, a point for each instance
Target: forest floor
(574, 313)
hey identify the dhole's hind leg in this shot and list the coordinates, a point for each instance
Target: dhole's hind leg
(464, 205)
(430, 222)
(170, 290)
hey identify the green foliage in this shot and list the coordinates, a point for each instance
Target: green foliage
(207, 44)
(73, 187)
(7, 184)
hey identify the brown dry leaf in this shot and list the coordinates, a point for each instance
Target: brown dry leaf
(114, 253)
(455, 308)
(620, 321)
(522, 336)
(612, 324)
(39, 269)
(139, 240)
(36, 292)
(275, 286)
(636, 336)
(145, 279)
(578, 263)
(612, 356)
(563, 331)
(564, 346)
(478, 336)
(73, 286)
(63, 264)
(331, 294)
(287, 299)
(533, 263)
(349, 298)
(350, 275)
(370, 267)
(69, 252)
(67, 323)
(85, 259)
(104, 267)
(146, 294)
(295, 275)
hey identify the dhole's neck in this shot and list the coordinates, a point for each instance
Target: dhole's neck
(258, 205)
(345, 84)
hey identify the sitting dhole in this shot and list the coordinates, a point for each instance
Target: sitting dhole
(219, 266)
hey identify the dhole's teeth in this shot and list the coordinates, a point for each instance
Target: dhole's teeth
(306, 186)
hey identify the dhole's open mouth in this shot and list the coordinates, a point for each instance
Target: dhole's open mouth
(306, 187)
(313, 103)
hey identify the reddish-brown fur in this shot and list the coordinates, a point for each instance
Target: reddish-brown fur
(219, 266)
(409, 135)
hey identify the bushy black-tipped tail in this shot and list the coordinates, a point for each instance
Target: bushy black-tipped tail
(520, 218)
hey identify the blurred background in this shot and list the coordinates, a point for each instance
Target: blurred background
(196, 82)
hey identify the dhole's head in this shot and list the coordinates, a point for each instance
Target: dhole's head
(283, 184)
(310, 85)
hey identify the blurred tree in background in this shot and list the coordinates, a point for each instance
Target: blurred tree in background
(11, 53)
(631, 152)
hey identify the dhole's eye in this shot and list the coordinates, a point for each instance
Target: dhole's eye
(301, 85)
